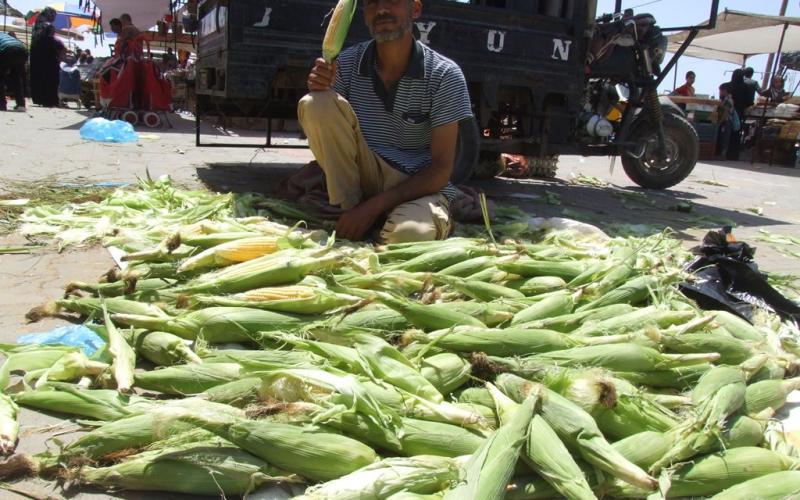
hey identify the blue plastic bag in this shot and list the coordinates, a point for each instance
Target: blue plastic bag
(102, 130)
(72, 335)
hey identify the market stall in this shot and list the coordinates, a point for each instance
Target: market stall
(702, 112)
(770, 131)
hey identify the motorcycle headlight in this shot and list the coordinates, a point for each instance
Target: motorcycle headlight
(659, 50)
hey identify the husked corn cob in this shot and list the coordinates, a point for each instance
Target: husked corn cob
(337, 30)
(231, 252)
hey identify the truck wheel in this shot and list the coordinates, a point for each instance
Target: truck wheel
(542, 167)
(467, 150)
(682, 144)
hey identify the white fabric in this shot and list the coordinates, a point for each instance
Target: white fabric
(739, 35)
(144, 13)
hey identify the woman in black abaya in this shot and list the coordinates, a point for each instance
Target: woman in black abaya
(46, 54)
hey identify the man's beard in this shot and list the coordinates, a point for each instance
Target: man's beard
(390, 36)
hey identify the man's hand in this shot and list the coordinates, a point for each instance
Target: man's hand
(322, 76)
(354, 223)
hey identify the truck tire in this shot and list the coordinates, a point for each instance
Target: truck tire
(467, 150)
(682, 144)
(545, 168)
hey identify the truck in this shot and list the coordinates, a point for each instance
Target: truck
(545, 77)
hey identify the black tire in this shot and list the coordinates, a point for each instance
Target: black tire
(467, 150)
(683, 148)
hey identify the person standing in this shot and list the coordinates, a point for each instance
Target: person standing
(740, 93)
(776, 94)
(46, 54)
(725, 121)
(13, 56)
(752, 86)
(687, 89)
(382, 122)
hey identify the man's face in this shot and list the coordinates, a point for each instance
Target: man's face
(389, 20)
(690, 79)
(116, 28)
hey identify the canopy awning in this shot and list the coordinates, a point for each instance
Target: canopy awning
(144, 13)
(740, 35)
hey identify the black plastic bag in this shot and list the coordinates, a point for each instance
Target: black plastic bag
(728, 278)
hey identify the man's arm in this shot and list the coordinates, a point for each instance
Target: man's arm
(354, 223)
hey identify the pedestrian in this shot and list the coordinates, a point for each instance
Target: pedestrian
(382, 122)
(13, 56)
(725, 121)
(776, 94)
(740, 93)
(46, 54)
(687, 89)
(87, 54)
(752, 86)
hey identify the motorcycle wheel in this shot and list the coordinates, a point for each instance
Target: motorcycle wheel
(683, 147)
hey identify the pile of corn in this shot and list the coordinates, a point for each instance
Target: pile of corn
(242, 353)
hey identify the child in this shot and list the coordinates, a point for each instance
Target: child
(725, 121)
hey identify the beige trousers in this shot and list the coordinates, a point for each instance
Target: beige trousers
(354, 173)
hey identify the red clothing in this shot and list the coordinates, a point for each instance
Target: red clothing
(685, 90)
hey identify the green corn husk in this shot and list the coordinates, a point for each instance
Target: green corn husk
(216, 325)
(768, 394)
(633, 321)
(715, 379)
(421, 475)
(430, 317)
(383, 319)
(322, 302)
(490, 314)
(9, 427)
(477, 396)
(68, 368)
(93, 307)
(389, 364)
(447, 371)
(431, 262)
(633, 292)
(192, 470)
(500, 342)
(530, 268)
(337, 30)
(490, 468)
(645, 448)
(238, 393)
(630, 357)
(161, 348)
(531, 488)
(120, 288)
(540, 284)
(772, 370)
(578, 430)
(123, 357)
(468, 267)
(479, 290)
(731, 350)
(555, 305)
(738, 327)
(188, 379)
(318, 456)
(776, 486)
(99, 404)
(570, 322)
(29, 358)
(285, 267)
(677, 378)
(545, 453)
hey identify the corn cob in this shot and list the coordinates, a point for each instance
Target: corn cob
(570, 322)
(578, 430)
(738, 327)
(621, 357)
(633, 292)
(123, 356)
(447, 371)
(773, 369)
(216, 325)
(99, 404)
(490, 468)
(476, 395)
(442, 258)
(633, 321)
(775, 486)
(645, 448)
(188, 379)
(285, 267)
(337, 30)
(210, 240)
(161, 348)
(9, 428)
(406, 251)
(416, 475)
(468, 267)
(388, 364)
(530, 268)
(542, 284)
(555, 305)
(238, 393)
(768, 394)
(500, 342)
(318, 456)
(297, 299)
(230, 253)
(69, 367)
(381, 319)
(194, 470)
(29, 358)
(479, 290)
(93, 307)
(430, 317)
(531, 488)
(119, 288)
(491, 314)
(682, 378)
(731, 350)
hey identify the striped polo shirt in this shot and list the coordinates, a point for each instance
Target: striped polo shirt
(397, 123)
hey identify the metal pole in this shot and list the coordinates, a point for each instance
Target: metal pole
(768, 70)
(675, 77)
(5, 15)
(618, 7)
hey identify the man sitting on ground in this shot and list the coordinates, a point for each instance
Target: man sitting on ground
(383, 123)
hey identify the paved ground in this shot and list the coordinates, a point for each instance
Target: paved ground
(45, 144)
